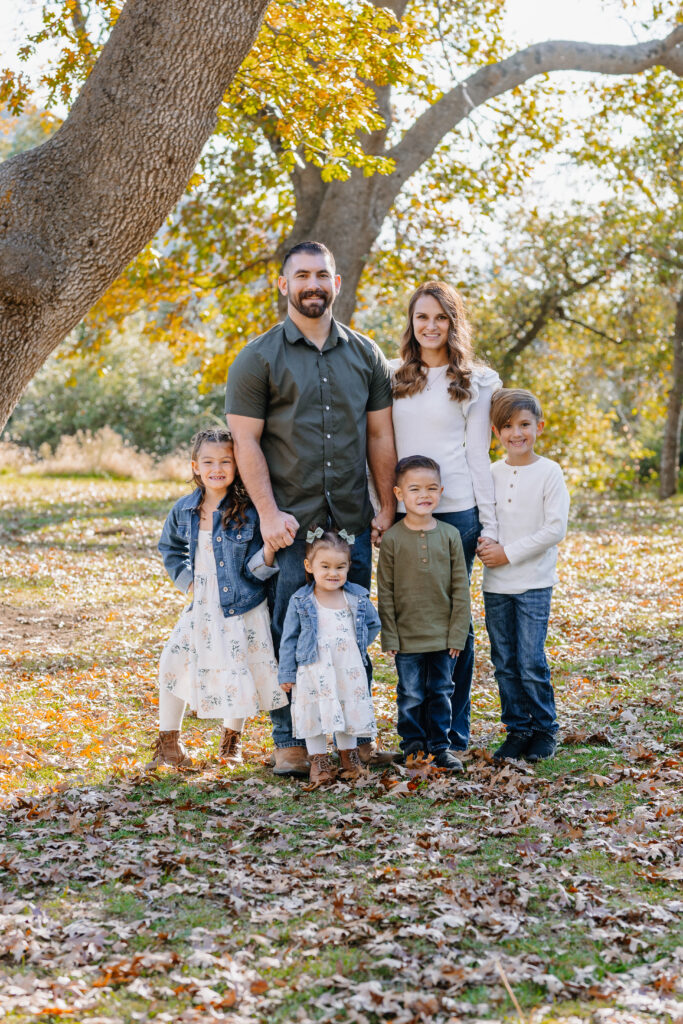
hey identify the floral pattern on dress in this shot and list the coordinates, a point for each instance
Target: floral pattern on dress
(223, 666)
(332, 694)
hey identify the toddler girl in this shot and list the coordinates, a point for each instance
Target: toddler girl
(219, 657)
(328, 627)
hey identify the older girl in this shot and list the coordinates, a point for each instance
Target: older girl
(219, 657)
(442, 398)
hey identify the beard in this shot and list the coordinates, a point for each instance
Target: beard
(313, 310)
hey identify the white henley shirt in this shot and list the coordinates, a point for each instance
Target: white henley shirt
(532, 506)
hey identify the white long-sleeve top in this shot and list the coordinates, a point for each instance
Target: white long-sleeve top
(457, 435)
(532, 506)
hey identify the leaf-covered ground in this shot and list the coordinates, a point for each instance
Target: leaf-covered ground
(552, 892)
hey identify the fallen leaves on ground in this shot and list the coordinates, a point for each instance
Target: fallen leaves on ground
(410, 896)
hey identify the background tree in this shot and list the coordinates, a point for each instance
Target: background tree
(78, 208)
(337, 108)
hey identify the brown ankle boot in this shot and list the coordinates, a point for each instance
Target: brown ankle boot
(322, 769)
(168, 749)
(351, 764)
(230, 750)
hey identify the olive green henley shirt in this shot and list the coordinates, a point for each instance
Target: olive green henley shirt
(314, 404)
(423, 590)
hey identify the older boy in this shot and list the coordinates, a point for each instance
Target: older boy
(424, 606)
(532, 505)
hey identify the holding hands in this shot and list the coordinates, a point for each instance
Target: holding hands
(278, 529)
(491, 553)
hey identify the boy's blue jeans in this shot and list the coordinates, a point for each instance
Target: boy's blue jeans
(517, 625)
(291, 576)
(423, 696)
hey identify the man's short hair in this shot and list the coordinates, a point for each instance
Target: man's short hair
(316, 248)
(506, 401)
(416, 462)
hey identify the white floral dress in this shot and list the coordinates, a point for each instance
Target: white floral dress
(224, 667)
(332, 694)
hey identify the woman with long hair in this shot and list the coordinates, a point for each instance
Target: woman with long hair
(442, 399)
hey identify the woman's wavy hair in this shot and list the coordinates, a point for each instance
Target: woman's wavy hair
(411, 376)
(238, 501)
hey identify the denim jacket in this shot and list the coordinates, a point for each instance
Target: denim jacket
(238, 551)
(299, 644)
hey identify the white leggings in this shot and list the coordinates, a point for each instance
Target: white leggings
(172, 709)
(318, 744)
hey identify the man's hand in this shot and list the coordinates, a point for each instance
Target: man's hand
(452, 653)
(382, 521)
(278, 529)
(286, 686)
(491, 553)
(392, 653)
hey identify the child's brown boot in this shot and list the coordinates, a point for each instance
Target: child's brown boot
(230, 750)
(168, 749)
(351, 764)
(322, 769)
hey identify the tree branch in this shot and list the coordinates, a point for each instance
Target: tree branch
(420, 141)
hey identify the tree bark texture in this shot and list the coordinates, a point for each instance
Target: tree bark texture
(348, 215)
(671, 447)
(76, 210)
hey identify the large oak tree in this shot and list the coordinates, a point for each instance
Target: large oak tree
(76, 210)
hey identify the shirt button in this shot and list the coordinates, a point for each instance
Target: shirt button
(328, 435)
(424, 559)
(218, 540)
(221, 563)
(225, 590)
(329, 463)
(325, 379)
(239, 536)
(232, 611)
(327, 407)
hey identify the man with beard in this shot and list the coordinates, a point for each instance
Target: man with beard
(307, 403)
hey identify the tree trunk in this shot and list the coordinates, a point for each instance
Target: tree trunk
(76, 210)
(671, 447)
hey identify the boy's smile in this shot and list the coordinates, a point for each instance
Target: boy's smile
(518, 437)
(420, 490)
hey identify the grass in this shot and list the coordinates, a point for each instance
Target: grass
(218, 895)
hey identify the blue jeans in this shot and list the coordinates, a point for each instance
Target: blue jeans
(423, 696)
(517, 625)
(291, 576)
(468, 526)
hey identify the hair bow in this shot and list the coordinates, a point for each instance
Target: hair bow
(348, 537)
(314, 534)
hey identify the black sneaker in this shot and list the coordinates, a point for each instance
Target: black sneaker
(541, 747)
(515, 745)
(447, 759)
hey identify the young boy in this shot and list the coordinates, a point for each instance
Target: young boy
(424, 606)
(532, 505)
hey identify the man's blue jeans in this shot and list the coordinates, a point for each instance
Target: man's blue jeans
(291, 576)
(423, 696)
(468, 526)
(517, 625)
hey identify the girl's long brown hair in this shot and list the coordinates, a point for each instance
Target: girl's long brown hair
(411, 376)
(238, 499)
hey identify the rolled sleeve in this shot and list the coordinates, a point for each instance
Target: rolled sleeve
(379, 392)
(246, 393)
(258, 568)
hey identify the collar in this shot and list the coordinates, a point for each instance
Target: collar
(293, 334)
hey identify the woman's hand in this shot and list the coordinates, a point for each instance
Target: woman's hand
(286, 686)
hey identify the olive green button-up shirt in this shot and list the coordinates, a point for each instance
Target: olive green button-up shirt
(314, 405)
(422, 589)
